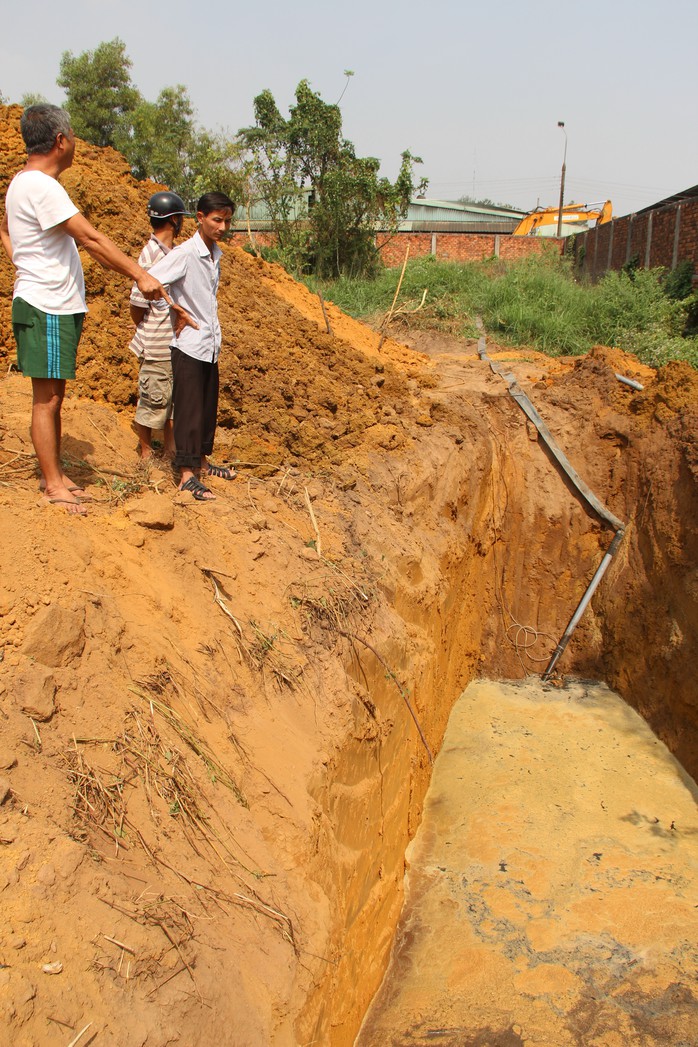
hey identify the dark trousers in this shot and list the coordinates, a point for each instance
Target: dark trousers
(195, 408)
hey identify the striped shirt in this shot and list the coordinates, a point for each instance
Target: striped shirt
(153, 336)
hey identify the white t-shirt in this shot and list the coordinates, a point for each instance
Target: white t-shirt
(48, 268)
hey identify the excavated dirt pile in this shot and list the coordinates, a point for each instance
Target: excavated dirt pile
(216, 719)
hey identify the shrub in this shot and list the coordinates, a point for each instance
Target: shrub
(535, 302)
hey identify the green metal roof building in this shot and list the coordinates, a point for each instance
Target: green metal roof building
(440, 216)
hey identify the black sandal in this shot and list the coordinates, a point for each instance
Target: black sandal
(221, 471)
(198, 490)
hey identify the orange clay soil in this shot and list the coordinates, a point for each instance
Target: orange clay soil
(208, 769)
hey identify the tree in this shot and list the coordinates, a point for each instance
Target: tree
(100, 95)
(323, 200)
(32, 98)
(160, 140)
(215, 163)
(273, 176)
(157, 138)
(484, 202)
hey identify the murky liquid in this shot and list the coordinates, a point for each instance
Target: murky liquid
(552, 888)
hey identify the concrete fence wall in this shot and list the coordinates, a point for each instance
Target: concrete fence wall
(662, 237)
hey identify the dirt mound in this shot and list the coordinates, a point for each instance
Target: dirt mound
(209, 763)
(287, 387)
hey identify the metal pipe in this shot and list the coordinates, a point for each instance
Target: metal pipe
(583, 603)
(561, 123)
(630, 381)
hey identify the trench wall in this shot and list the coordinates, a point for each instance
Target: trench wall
(511, 555)
(429, 633)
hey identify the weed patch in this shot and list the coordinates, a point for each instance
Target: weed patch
(534, 302)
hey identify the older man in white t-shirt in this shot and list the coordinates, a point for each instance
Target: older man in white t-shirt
(39, 231)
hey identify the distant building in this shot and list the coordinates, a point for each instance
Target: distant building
(423, 216)
(446, 216)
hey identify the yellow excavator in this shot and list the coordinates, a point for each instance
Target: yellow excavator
(571, 214)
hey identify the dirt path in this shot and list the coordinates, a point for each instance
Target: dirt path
(552, 886)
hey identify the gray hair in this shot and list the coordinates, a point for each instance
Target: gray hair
(40, 124)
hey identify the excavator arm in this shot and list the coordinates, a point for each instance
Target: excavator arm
(570, 214)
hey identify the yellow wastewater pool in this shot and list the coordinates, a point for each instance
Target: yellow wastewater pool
(551, 891)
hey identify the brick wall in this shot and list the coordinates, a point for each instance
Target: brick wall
(514, 247)
(663, 237)
(260, 238)
(455, 247)
(688, 232)
(392, 248)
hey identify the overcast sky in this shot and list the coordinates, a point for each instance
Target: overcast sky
(476, 90)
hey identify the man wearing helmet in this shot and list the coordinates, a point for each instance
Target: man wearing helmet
(153, 337)
(191, 273)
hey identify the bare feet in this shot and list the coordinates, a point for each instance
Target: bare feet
(68, 484)
(168, 440)
(148, 451)
(63, 497)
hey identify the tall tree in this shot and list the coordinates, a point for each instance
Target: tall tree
(157, 138)
(216, 163)
(100, 95)
(323, 200)
(274, 177)
(162, 142)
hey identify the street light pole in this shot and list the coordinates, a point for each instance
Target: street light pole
(561, 123)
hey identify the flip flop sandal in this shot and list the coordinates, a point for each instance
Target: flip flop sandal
(74, 508)
(197, 490)
(221, 471)
(81, 497)
(73, 488)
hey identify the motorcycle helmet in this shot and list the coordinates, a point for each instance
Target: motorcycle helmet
(166, 205)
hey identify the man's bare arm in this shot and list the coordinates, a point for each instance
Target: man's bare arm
(105, 251)
(5, 236)
(180, 317)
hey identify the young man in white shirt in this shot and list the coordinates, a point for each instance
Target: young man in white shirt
(191, 272)
(39, 232)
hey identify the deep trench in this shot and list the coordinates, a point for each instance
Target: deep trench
(525, 557)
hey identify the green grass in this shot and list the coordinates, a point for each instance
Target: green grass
(535, 302)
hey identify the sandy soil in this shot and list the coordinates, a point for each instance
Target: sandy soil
(209, 771)
(550, 900)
